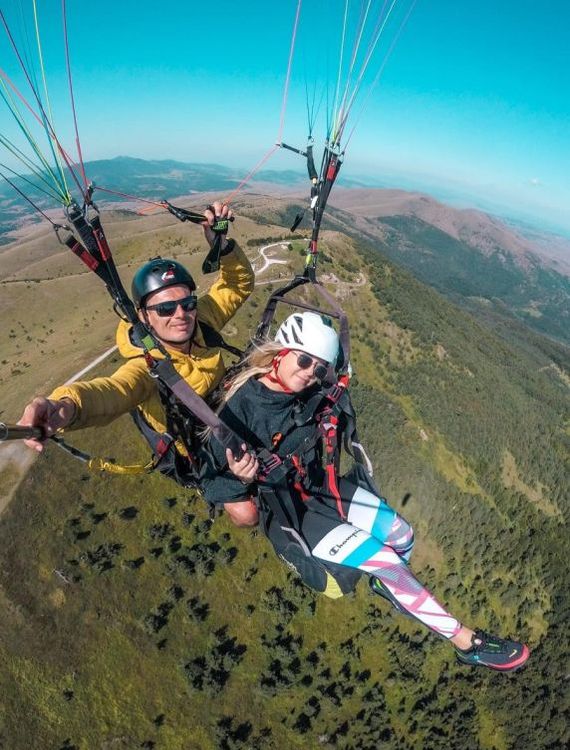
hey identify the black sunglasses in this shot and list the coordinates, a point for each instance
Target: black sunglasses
(167, 309)
(304, 361)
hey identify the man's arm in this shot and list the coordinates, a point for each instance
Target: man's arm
(90, 403)
(235, 281)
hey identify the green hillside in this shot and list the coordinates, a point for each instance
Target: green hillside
(486, 283)
(132, 621)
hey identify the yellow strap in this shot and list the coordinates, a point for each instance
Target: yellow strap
(332, 590)
(99, 464)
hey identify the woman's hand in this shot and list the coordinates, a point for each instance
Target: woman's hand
(246, 468)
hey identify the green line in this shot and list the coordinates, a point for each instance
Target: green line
(29, 182)
(12, 106)
(335, 113)
(15, 151)
(54, 152)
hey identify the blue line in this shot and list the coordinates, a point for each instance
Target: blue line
(362, 553)
(383, 521)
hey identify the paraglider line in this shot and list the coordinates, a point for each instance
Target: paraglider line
(72, 97)
(68, 160)
(133, 197)
(288, 76)
(248, 177)
(51, 195)
(25, 197)
(56, 156)
(47, 125)
(379, 74)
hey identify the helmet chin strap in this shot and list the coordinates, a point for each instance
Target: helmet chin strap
(273, 376)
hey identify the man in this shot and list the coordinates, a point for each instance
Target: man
(164, 294)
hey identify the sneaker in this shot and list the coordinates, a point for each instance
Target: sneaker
(382, 590)
(493, 652)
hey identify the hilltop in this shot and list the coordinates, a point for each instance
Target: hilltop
(504, 273)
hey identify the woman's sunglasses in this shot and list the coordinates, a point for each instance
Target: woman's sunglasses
(305, 361)
(167, 309)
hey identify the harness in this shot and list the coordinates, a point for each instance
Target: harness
(333, 415)
(182, 425)
(283, 489)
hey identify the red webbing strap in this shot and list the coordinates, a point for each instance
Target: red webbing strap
(162, 447)
(330, 433)
(301, 473)
(273, 376)
(101, 241)
(333, 487)
(331, 171)
(77, 248)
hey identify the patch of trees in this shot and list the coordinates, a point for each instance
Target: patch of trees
(129, 513)
(211, 671)
(155, 621)
(102, 557)
(202, 557)
(242, 736)
(198, 609)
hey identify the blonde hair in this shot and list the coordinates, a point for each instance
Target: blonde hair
(258, 362)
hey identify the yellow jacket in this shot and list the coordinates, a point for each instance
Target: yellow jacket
(101, 400)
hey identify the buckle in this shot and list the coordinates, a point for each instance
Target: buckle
(335, 392)
(269, 464)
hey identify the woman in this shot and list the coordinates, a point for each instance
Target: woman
(266, 404)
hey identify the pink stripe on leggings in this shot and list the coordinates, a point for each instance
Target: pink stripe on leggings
(411, 595)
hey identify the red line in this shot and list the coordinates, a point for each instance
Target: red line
(46, 124)
(248, 177)
(132, 197)
(272, 150)
(68, 160)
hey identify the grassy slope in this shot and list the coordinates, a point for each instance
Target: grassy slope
(538, 296)
(209, 643)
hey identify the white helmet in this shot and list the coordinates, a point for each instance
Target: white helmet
(311, 333)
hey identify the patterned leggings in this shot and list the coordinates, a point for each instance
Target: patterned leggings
(378, 541)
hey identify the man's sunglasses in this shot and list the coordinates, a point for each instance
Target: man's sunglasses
(167, 309)
(305, 361)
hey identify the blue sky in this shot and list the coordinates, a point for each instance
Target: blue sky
(473, 103)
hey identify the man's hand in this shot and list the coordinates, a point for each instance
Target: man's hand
(212, 214)
(246, 468)
(49, 415)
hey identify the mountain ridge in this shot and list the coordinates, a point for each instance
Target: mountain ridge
(120, 172)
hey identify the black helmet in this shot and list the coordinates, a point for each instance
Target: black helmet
(159, 273)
